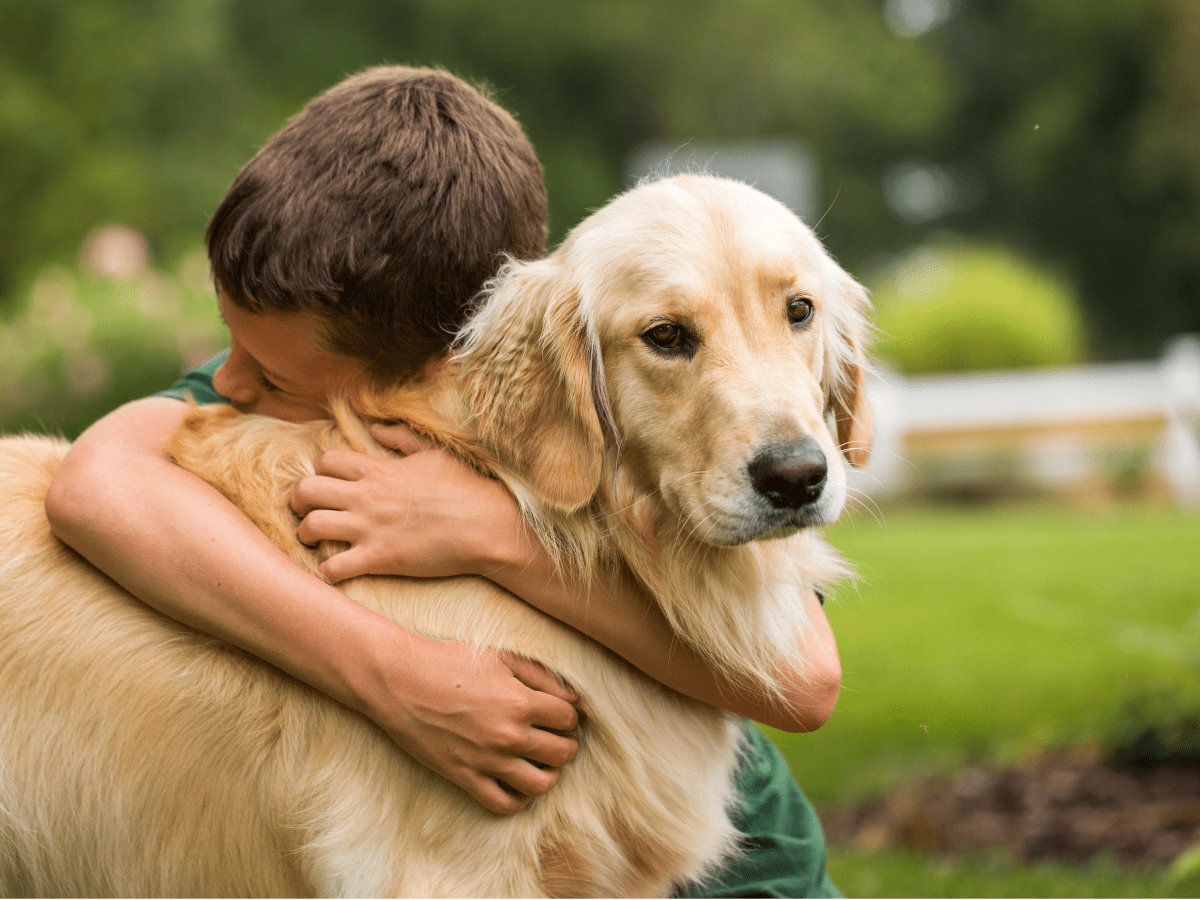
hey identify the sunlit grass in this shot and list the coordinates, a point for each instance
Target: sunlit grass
(988, 634)
(977, 633)
(896, 873)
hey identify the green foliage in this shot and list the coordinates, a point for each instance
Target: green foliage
(1071, 123)
(116, 112)
(998, 631)
(1155, 727)
(974, 308)
(83, 344)
(1079, 118)
(142, 112)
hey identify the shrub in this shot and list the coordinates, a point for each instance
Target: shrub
(954, 309)
(80, 344)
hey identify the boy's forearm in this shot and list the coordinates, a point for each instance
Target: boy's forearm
(489, 722)
(179, 546)
(620, 616)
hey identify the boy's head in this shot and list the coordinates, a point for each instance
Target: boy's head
(380, 210)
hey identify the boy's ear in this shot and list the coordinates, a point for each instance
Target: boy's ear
(847, 367)
(527, 378)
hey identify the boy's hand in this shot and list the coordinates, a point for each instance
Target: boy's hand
(425, 514)
(488, 721)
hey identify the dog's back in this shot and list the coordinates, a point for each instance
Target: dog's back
(138, 757)
(128, 761)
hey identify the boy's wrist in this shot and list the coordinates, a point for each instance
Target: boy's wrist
(496, 552)
(368, 664)
(515, 559)
(501, 537)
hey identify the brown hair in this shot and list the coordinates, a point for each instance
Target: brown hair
(383, 207)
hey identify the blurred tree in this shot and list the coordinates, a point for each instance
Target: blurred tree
(142, 111)
(125, 112)
(1078, 122)
(591, 79)
(1067, 129)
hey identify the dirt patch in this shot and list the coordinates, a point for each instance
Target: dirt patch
(1066, 805)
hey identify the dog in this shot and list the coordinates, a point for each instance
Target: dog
(675, 391)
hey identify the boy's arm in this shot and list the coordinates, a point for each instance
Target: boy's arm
(625, 620)
(428, 515)
(173, 541)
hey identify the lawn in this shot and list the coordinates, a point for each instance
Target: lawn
(896, 873)
(977, 634)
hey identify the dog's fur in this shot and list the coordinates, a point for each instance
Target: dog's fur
(138, 757)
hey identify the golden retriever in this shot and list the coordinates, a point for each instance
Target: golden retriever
(672, 391)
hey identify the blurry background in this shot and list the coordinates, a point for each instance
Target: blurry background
(1018, 181)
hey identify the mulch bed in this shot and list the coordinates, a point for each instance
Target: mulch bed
(1067, 805)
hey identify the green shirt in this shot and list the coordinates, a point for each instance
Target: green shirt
(784, 845)
(198, 383)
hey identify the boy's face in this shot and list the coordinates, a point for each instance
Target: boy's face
(278, 367)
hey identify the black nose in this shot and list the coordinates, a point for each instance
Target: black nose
(789, 475)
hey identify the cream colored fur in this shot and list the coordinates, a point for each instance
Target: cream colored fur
(138, 757)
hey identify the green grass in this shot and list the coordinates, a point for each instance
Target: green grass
(896, 873)
(976, 634)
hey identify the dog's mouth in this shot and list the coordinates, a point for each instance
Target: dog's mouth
(768, 526)
(755, 519)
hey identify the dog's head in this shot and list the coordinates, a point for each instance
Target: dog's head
(695, 337)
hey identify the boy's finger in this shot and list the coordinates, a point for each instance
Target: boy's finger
(529, 779)
(495, 798)
(401, 438)
(345, 464)
(319, 492)
(326, 525)
(549, 749)
(536, 676)
(347, 564)
(554, 714)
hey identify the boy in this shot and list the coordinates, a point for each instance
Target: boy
(347, 251)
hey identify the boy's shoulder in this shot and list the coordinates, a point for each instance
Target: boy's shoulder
(198, 383)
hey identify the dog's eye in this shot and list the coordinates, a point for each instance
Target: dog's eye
(669, 338)
(800, 310)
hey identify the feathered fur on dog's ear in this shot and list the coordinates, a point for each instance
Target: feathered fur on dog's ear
(527, 379)
(846, 366)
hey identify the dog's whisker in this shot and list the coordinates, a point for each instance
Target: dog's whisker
(871, 477)
(875, 450)
(837, 194)
(695, 525)
(865, 502)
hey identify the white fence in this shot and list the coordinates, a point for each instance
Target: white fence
(1060, 427)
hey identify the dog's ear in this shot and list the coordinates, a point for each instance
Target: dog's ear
(846, 367)
(527, 379)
